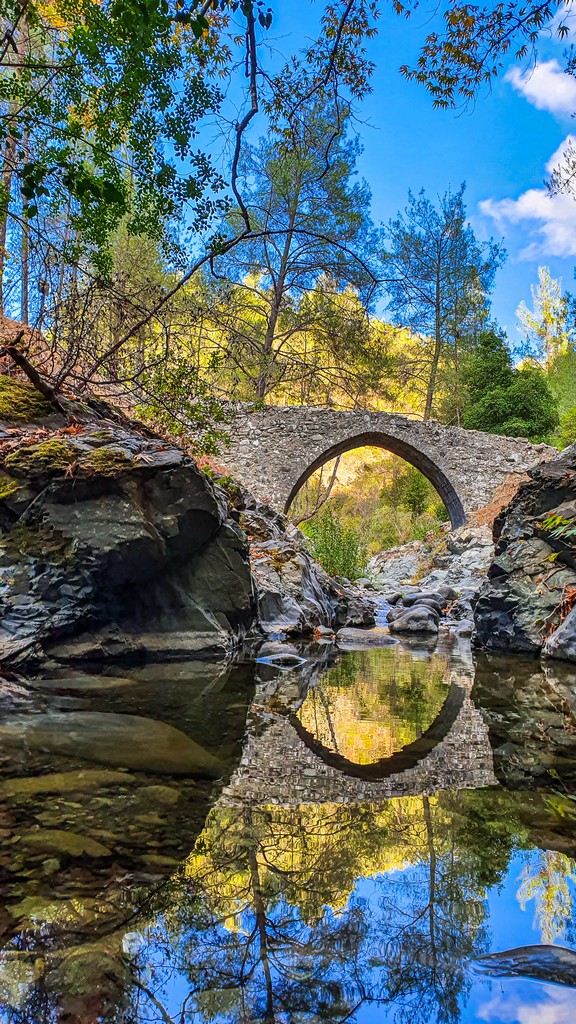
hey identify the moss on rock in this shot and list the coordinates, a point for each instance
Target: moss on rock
(40, 543)
(8, 486)
(57, 455)
(21, 403)
(53, 455)
(107, 461)
(105, 434)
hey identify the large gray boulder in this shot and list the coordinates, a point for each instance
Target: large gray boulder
(116, 545)
(531, 582)
(295, 595)
(419, 618)
(115, 535)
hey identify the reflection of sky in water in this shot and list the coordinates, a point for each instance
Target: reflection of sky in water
(496, 1000)
(489, 1000)
(519, 1003)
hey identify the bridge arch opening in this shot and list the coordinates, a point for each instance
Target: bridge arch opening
(403, 450)
(401, 760)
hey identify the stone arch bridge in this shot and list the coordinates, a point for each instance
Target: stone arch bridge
(275, 449)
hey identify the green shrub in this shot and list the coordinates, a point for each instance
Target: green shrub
(567, 432)
(338, 548)
(523, 408)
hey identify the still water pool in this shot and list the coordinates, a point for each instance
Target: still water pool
(345, 842)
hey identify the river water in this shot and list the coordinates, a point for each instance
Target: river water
(384, 820)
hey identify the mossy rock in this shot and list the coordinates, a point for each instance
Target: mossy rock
(8, 486)
(104, 435)
(21, 403)
(54, 455)
(40, 543)
(107, 461)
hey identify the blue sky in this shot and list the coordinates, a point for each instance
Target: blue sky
(501, 148)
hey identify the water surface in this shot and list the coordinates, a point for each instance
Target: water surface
(375, 831)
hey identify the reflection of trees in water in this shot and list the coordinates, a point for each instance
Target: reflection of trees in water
(545, 880)
(271, 925)
(269, 921)
(372, 703)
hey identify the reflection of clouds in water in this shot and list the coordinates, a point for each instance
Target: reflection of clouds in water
(548, 1005)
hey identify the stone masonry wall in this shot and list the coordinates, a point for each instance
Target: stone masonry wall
(274, 449)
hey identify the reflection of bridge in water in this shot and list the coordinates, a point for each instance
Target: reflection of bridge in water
(284, 764)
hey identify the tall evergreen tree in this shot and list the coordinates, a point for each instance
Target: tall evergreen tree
(439, 278)
(311, 229)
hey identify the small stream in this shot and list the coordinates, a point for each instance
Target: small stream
(344, 841)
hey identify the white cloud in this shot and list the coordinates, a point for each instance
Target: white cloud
(551, 1006)
(558, 155)
(549, 220)
(566, 16)
(546, 86)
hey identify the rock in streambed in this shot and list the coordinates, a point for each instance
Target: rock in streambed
(121, 741)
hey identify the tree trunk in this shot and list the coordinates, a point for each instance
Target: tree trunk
(321, 498)
(25, 252)
(260, 913)
(275, 309)
(9, 162)
(437, 349)
(431, 884)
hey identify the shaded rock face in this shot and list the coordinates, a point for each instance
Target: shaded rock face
(111, 534)
(530, 711)
(295, 595)
(562, 643)
(116, 546)
(531, 582)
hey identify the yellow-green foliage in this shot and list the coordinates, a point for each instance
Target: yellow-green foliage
(20, 403)
(55, 453)
(7, 486)
(107, 461)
